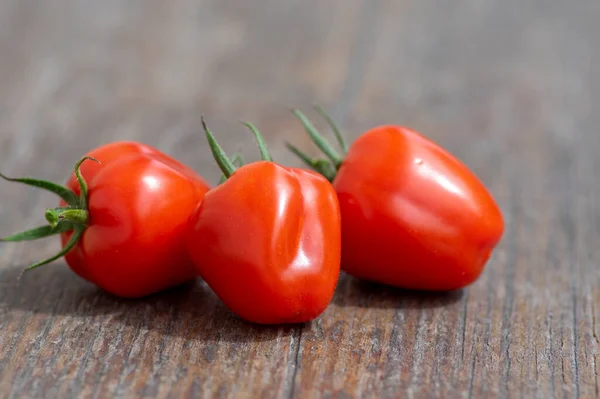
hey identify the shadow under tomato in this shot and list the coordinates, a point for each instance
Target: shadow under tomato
(191, 310)
(352, 292)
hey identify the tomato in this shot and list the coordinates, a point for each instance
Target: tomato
(108, 153)
(413, 215)
(126, 235)
(268, 240)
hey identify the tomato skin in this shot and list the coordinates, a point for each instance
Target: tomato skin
(139, 202)
(413, 216)
(268, 242)
(117, 150)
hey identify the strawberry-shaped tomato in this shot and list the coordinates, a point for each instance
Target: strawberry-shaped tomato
(122, 219)
(413, 216)
(267, 240)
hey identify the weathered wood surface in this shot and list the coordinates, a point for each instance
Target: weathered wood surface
(511, 87)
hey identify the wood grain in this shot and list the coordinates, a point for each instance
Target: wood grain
(511, 87)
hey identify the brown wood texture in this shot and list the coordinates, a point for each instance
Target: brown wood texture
(511, 87)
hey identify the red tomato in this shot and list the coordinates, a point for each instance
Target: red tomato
(110, 152)
(139, 202)
(268, 242)
(413, 216)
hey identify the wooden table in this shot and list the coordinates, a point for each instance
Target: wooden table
(511, 87)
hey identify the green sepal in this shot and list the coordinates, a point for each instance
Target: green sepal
(262, 146)
(38, 232)
(238, 161)
(336, 131)
(322, 166)
(83, 188)
(77, 232)
(318, 139)
(309, 161)
(63, 192)
(73, 217)
(222, 160)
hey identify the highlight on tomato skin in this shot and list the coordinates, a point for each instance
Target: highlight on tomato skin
(268, 240)
(413, 215)
(116, 150)
(122, 218)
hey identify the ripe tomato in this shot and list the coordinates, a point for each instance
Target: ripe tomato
(108, 153)
(268, 240)
(127, 234)
(413, 216)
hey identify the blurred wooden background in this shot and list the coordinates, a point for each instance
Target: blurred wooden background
(511, 87)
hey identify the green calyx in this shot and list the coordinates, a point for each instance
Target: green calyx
(229, 166)
(322, 166)
(73, 217)
(238, 161)
(262, 146)
(329, 166)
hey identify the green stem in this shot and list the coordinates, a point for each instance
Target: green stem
(52, 214)
(318, 139)
(52, 217)
(222, 160)
(336, 131)
(75, 216)
(264, 152)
